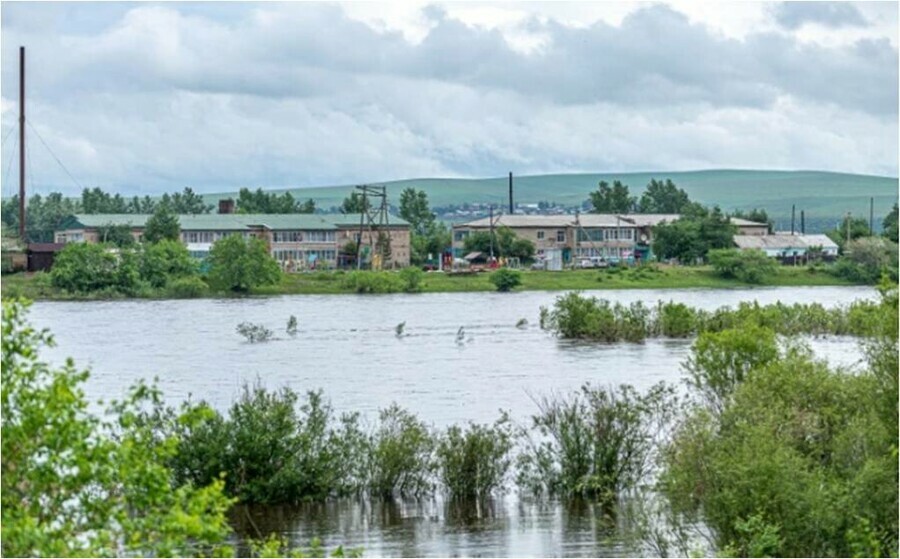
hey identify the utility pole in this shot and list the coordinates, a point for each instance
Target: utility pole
(802, 222)
(491, 223)
(22, 146)
(872, 216)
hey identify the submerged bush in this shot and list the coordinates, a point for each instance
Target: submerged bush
(473, 463)
(676, 320)
(400, 455)
(187, 287)
(579, 317)
(254, 332)
(596, 444)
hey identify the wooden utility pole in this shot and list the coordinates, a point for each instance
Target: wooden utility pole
(22, 145)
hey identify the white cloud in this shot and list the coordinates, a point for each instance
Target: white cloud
(164, 96)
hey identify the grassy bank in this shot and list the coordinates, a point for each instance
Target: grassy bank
(37, 286)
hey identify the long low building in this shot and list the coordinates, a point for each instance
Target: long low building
(296, 241)
(572, 237)
(788, 246)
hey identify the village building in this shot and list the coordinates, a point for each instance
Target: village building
(788, 247)
(296, 241)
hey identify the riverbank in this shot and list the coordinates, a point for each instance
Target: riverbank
(38, 287)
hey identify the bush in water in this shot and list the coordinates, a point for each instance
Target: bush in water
(595, 444)
(400, 455)
(254, 332)
(473, 463)
(187, 287)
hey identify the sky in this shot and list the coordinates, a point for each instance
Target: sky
(144, 98)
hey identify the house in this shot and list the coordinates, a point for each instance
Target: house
(789, 247)
(747, 227)
(296, 241)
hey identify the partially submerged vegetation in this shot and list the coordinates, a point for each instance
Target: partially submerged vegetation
(577, 316)
(772, 450)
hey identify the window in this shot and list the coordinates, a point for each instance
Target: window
(561, 236)
(319, 236)
(460, 235)
(540, 235)
(287, 237)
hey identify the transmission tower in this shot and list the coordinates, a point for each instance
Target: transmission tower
(374, 219)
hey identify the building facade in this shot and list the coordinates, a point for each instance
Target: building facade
(612, 236)
(297, 241)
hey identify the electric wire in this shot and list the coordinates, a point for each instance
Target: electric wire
(9, 165)
(38, 134)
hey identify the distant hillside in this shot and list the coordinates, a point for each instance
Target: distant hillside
(823, 195)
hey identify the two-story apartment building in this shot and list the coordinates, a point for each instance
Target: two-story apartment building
(296, 241)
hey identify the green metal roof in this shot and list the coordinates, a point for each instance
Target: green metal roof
(225, 222)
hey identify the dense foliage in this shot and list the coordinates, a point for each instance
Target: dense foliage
(428, 238)
(664, 198)
(889, 225)
(77, 484)
(356, 203)
(866, 259)
(691, 237)
(576, 316)
(504, 242)
(240, 264)
(162, 225)
(852, 227)
(612, 199)
(749, 266)
(506, 279)
(261, 202)
(783, 455)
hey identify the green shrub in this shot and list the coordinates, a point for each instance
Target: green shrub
(676, 320)
(187, 287)
(400, 458)
(506, 279)
(412, 279)
(88, 267)
(239, 264)
(165, 261)
(473, 463)
(749, 266)
(596, 444)
(367, 281)
(579, 317)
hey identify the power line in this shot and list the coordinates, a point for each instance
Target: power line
(54, 155)
(11, 128)
(9, 165)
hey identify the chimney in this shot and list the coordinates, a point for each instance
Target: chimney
(226, 206)
(793, 213)
(511, 208)
(802, 222)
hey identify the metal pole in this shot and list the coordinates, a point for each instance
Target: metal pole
(872, 216)
(491, 224)
(793, 210)
(22, 145)
(802, 222)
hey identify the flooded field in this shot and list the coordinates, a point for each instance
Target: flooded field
(348, 347)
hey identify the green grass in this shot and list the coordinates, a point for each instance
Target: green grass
(822, 195)
(35, 286)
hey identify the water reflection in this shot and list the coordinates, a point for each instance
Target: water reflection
(427, 527)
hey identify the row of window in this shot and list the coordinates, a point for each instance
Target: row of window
(303, 236)
(207, 236)
(560, 235)
(600, 235)
(604, 252)
(296, 255)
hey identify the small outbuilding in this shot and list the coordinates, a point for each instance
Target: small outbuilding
(790, 248)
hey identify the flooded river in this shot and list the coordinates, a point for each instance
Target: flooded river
(347, 346)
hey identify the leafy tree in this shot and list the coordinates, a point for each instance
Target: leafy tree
(117, 235)
(145, 205)
(414, 209)
(355, 204)
(889, 225)
(612, 199)
(163, 224)
(866, 259)
(42, 214)
(186, 202)
(87, 267)
(693, 235)
(270, 203)
(663, 198)
(858, 227)
(96, 201)
(239, 264)
(166, 261)
(750, 266)
(432, 243)
(505, 242)
(74, 484)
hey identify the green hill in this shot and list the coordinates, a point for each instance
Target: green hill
(823, 195)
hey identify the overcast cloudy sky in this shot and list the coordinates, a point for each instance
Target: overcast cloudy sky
(146, 98)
